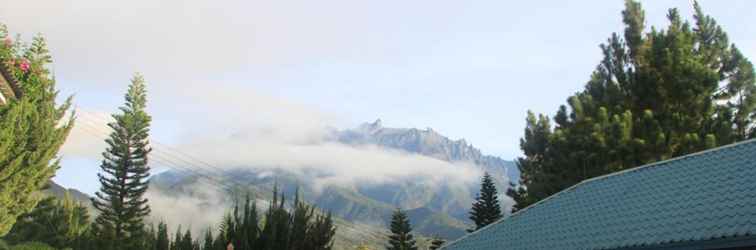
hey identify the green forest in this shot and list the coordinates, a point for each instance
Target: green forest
(657, 93)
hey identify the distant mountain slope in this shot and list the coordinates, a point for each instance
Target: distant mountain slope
(440, 209)
(348, 234)
(452, 200)
(426, 142)
(59, 191)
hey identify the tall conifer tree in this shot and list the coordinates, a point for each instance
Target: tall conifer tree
(207, 244)
(120, 200)
(485, 209)
(32, 126)
(401, 237)
(162, 241)
(321, 233)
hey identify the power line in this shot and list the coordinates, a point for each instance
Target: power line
(170, 164)
(167, 147)
(161, 159)
(175, 155)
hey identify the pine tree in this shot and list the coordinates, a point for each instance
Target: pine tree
(149, 241)
(207, 244)
(162, 242)
(300, 224)
(120, 199)
(485, 209)
(401, 232)
(654, 95)
(322, 232)
(177, 237)
(186, 242)
(437, 242)
(276, 227)
(32, 128)
(302, 227)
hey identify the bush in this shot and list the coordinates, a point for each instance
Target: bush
(32, 246)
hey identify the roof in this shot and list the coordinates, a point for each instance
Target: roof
(690, 200)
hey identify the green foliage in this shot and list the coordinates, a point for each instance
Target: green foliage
(32, 246)
(436, 243)
(401, 237)
(120, 203)
(208, 241)
(485, 209)
(301, 227)
(32, 128)
(162, 240)
(655, 95)
(362, 247)
(58, 223)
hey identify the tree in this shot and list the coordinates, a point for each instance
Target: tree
(302, 227)
(32, 127)
(186, 242)
(32, 246)
(300, 224)
(177, 237)
(207, 244)
(276, 226)
(58, 223)
(322, 232)
(120, 199)
(485, 209)
(654, 95)
(436, 243)
(362, 247)
(162, 241)
(401, 232)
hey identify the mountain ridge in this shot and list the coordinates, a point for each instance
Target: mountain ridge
(441, 209)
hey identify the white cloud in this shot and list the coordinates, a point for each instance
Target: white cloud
(198, 209)
(258, 131)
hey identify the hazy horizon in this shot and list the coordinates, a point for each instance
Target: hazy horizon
(282, 71)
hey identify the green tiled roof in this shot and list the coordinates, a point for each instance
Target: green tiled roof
(703, 197)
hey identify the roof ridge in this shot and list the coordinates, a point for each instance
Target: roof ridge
(606, 176)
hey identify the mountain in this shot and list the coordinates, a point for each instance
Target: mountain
(452, 200)
(427, 142)
(53, 189)
(439, 209)
(348, 234)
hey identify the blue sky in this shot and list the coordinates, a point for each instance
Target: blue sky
(468, 69)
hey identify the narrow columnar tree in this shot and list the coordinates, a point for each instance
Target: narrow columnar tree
(401, 237)
(321, 233)
(32, 126)
(485, 209)
(162, 240)
(301, 227)
(124, 181)
(207, 244)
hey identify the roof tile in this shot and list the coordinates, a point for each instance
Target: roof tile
(703, 196)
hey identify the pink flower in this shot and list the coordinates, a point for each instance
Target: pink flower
(24, 65)
(8, 41)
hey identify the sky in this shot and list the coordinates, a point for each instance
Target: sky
(282, 70)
